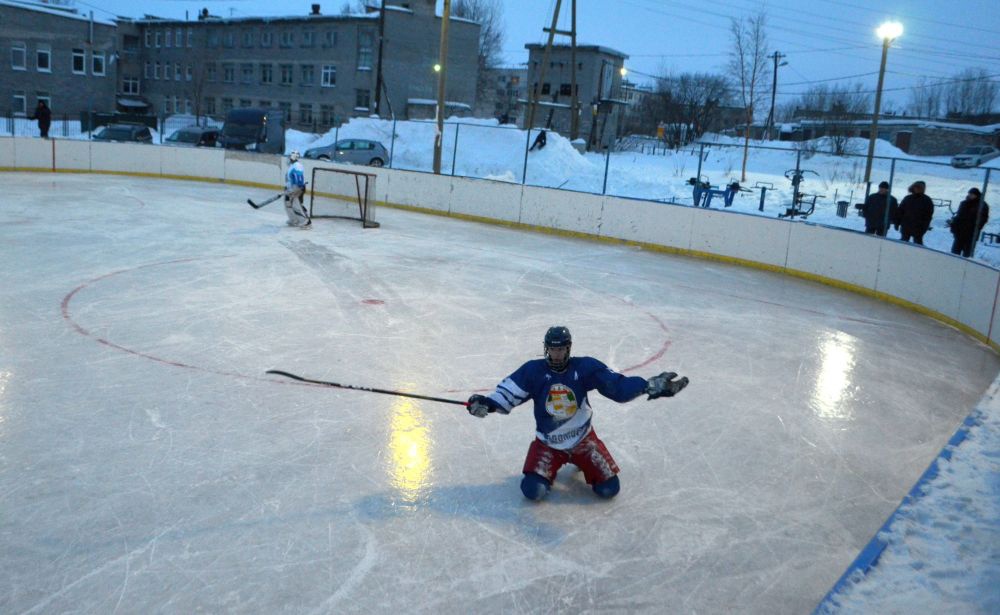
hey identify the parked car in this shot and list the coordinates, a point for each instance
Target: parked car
(254, 130)
(196, 136)
(353, 151)
(128, 133)
(974, 156)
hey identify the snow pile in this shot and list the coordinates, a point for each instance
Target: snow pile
(943, 553)
(484, 149)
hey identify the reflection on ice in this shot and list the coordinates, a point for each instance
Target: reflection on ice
(410, 447)
(837, 359)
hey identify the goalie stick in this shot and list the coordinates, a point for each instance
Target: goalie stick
(263, 203)
(369, 389)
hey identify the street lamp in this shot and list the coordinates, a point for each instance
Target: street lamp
(888, 32)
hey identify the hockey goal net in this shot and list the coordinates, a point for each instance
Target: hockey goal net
(342, 193)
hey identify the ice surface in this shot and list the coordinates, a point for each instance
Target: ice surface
(147, 464)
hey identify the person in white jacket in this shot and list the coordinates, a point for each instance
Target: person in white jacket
(295, 188)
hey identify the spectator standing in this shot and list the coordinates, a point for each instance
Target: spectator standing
(968, 222)
(913, 217)
(877, 205)
(44, 117)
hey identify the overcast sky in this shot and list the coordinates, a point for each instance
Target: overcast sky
(825, 40)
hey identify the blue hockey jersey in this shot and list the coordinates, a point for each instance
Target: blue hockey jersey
(562, 411)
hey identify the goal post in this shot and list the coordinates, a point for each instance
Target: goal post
(343, 193)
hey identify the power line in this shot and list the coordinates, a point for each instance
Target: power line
(915, 87)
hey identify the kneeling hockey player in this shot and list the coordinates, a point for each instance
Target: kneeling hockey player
(558, 384)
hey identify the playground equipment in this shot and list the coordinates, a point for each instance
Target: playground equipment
(799, 198)
(703, 192)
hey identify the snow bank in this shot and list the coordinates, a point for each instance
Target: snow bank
(943, 551)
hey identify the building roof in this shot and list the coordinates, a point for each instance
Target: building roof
(67, 13)
(580, 47)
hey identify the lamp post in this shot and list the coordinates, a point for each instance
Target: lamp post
(776, 56)
(441, 68)
(888, 32)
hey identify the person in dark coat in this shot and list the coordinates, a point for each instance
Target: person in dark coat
(44, 116)
(539, 141)
(968, 222)
(913, 217)
(875, 210)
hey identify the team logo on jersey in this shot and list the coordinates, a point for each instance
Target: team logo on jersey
(561, 402)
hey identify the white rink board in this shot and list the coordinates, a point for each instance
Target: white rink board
(558, 209)
(6, 152)
(746, 237)
(33, 154)
(73, 155)
(979, 291)
(845, 256)
(490, 199)
(921, 276)
(416, 189)
(656, 223)
(268, 170)
(127, 157)
(193, 162)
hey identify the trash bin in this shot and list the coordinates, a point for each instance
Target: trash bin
(842, 208)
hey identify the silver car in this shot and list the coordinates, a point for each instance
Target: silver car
(974, 156)
(352, 151)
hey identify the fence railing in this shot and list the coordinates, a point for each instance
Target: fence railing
(793, 181)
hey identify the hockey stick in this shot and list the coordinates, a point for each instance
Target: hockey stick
(369, 389)
(270, 200)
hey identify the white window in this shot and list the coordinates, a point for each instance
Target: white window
(179, 38)
(43, 59)
(43, 97)
(265, 38)
(156, 71)
(177, 105)
(156, 37)
(365, 42)
(147, 71)
(130, 85)
(168, 38)
(190, 73)
(166, 105)
(18, 55)
(149, 36)
(190, 36)
(79, 62)
(97, 64)
(329, 76)
(20, 104)
(177, 71)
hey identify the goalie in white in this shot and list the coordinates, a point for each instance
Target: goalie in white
(295, 188)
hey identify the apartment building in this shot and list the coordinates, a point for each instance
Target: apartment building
(320, 69)
(63, 58)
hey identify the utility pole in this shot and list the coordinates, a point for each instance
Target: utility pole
(443, 63)
(776, 56)
(532, 94)
(574, 106)
(378, 70)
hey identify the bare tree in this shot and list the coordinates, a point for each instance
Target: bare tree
(748, 65)
(836, 107)
(971, 92)
(489, 14)
(927, 99)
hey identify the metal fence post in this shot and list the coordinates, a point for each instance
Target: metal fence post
(701, 154)
(888, 198)
(798, 174)
(524, 171)
(979, 213)
(607, 163)
(392, 142)
(454, 150)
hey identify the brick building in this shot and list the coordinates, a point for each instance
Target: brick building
(600, 96)
(321, 69)
(66, 59)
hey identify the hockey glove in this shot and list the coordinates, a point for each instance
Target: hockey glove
(479, 406)
(664, 385)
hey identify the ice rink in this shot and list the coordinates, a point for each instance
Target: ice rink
(148, 465)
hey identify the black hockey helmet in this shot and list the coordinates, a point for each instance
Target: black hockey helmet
(557, 337)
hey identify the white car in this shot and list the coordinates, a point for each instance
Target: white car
(974, 156)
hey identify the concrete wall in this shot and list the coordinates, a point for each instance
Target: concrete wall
(952, 289)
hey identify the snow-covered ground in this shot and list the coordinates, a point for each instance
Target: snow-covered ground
(943, 553)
